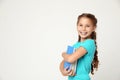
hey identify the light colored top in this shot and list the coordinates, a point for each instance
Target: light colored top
(84, 63)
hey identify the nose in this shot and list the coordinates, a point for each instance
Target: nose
(83, 28)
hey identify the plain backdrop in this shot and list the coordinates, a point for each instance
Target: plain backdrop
(34, 33)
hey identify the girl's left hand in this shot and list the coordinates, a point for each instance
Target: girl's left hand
(66, 72)
(71, 73)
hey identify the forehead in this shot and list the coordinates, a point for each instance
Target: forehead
(85, 20)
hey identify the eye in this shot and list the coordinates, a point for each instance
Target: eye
(80, 25)
(87, 26)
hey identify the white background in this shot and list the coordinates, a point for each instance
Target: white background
(34, 33)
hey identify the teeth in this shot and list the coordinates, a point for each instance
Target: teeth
(83, 33)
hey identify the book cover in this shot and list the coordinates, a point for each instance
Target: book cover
(67, 65)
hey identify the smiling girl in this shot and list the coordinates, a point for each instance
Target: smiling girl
(86, 50)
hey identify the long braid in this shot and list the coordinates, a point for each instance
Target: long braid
(79, 38)
(95, 62)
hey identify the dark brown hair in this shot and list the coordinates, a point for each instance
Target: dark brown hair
(95, 62)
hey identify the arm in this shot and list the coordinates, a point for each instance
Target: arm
(75, 56)
(62, 67)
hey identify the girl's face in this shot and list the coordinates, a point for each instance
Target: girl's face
(85, 27)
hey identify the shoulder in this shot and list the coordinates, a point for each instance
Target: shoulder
(88, 41)
(89, 44)
(76, 45)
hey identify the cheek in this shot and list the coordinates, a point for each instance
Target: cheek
(78, 28)
(91, 29)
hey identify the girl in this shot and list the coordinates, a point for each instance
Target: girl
(86, 50)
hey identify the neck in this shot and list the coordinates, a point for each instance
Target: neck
(82, 40)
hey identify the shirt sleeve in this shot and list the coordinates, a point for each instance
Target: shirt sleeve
(88, 45)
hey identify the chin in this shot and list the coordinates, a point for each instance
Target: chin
(84, 37)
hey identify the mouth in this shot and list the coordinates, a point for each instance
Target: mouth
(83, 33)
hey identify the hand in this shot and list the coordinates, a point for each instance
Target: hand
(71, 73)
(66, 72)
(63, 53)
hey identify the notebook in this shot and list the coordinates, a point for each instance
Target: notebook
(67, 65)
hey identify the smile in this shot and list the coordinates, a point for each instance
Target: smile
(83, 33)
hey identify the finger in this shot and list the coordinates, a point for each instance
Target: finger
(68, 71)
(67, 68)
(71, 73)
(65, 72)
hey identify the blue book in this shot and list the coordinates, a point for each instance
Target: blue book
(67, 65)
